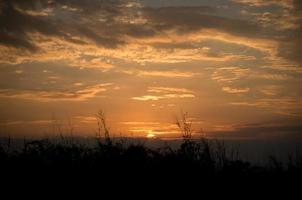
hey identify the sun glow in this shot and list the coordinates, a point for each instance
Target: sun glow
(150, 136)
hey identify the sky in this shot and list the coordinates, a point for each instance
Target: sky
(234, 66)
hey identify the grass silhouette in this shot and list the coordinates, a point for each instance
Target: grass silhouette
(201, 157)
(193, 158)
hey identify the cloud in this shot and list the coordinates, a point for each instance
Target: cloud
(22, 122)
(86, 119)
(289, 18)
(291, 47)
(271, 90)
(167, 74)
(282, 3)
(270, 76)
(166, 96)
(18, 21)
(155, 45)
(230, 74)
(122, 31)
(235, 90)
(43, 95)
(168, 90)
(190, 19)
(15, 24)
(117, 19)
(125, 25)
(147, 98)
(284, 20)
(284, 105)
(166, 93)
(227, 75)
(96, 63)
(267, 130)
(140, 123)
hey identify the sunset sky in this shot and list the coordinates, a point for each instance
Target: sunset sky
(234, 65)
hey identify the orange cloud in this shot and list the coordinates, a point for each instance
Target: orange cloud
(72, 95)
(168, 93)
(282, 3)
(159, 97)
(168, 89)
(168, 74)
(280, 105)
(235, 90)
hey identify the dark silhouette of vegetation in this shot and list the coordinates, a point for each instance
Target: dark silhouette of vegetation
(195, 158)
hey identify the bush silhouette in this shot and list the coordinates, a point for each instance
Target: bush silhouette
(194, 157)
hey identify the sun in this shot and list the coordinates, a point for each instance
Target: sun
(150, 135)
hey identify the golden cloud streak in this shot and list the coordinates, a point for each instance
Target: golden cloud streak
(235, 90)
(76, 95)
(166, 96)
(168, 74)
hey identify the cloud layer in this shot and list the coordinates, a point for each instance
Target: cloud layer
(216, 59)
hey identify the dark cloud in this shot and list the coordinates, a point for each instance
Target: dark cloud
(107, 41)
(106, 23)
(276, 130)
(112, 7)
(179, 45)
(14, 26)
(297, 4)
(187, 19)
(16, 23)
(291, 46)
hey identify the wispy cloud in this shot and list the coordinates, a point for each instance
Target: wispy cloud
(140, 123)
(195, 54)
(167, 74)
(166, 96)
(80, 94)
(289, 106)
(86, 119)
(168, 90)
(230, 74)
(166, 93)
(259, 131)
(283, 3)
(235, 90)
(271, 90)
(23, 122)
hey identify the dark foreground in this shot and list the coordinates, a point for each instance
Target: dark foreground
(201, 158)
(203, 162)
